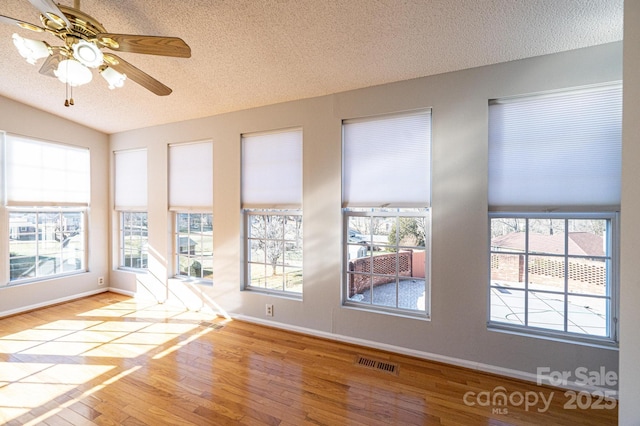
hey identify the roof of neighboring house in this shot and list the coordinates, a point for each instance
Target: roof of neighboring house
(580, 243)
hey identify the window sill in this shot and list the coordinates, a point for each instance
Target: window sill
(195, 281)
(45, 278)
(277, 293)
(417, 315)
(570, 338)
(133, 270)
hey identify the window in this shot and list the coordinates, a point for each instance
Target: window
(131, 203)
(191, 201)
(386, 257)
(554, 197)
(387, 218)
(274, 244)
(194, 243)
(47, 195)
(44, 243)
(272, 205)
(133, 247)
(553, 271)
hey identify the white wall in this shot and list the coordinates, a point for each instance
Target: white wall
(27, 121)
(457, 331)
(629, 412)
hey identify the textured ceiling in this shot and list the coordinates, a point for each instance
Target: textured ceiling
(248, 53)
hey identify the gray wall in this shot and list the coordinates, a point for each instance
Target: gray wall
(457, 332)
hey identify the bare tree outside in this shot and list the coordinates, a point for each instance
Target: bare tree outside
(503, 226)
(545, 226)
(362, 225)
(275, 250)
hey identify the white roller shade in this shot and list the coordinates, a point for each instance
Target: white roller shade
(43, 174)
(191, 176)
(272, 170)
(387, 161)
(552, 151)
(131, 180)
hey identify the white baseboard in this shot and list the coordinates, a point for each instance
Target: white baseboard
(50, 302)
(486, 368)
(122, 292)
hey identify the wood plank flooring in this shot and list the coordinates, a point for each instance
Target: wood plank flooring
(112, 360)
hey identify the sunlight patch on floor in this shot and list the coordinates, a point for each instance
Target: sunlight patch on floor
(84, 354)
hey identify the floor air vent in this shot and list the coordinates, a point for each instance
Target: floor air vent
(213, 325)
(374, 364)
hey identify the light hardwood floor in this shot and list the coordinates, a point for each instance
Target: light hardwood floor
(109, 359)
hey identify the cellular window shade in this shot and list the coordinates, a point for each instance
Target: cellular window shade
(44, 174)
(131, 180)
(387, 161)
(191, 176)
(556, 151)
(272, 170)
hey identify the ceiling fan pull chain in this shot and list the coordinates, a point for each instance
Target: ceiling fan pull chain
(71, 99)
(66, 94)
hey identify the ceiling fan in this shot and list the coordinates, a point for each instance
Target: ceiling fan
(83, 38)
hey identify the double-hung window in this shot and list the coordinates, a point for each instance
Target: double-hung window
(47, 197)
(131, 205)
(191, 202)
(554, 202)
(272, 207)
(386, 206)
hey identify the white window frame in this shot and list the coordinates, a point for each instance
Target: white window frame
(46, 211)
(190, 190)
(368, 242)
(580, 181)
(283, 174)
(177, 255)
(612, 277)
(130, 169)
(281, 261)
(44, 197)
(357, 200)
(144, 252)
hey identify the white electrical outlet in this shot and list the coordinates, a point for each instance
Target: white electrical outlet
(269, 310)
(100, 281)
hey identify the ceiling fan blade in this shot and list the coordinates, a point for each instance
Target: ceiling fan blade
(21, 24)
(50, 10)
(134, 74)
(51, 63)
(150, 45)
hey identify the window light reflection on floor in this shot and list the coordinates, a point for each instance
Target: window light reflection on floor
(54, 365)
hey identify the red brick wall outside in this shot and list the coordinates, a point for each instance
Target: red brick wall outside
(546, 270)
(507, 267)
(359, 278)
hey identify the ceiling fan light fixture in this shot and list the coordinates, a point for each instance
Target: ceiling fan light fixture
(83, 39)
(73, 72)
(113, 77)
(87, 53)
(31, 50)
